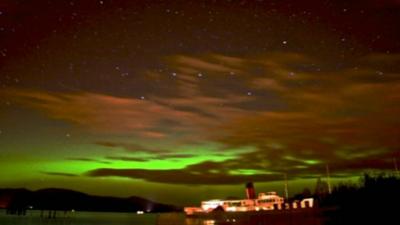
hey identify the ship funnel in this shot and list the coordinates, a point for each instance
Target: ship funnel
(250, 191)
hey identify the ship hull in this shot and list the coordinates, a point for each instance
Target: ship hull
(306, 216)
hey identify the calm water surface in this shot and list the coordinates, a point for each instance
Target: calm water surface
(79, 218)
(101, 218)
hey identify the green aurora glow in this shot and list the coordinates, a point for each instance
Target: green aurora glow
(185, 101)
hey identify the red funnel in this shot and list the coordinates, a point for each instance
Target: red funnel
(250, 191)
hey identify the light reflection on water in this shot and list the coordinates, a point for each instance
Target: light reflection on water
(79, 218)
(101, 218)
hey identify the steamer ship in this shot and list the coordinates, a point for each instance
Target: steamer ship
(269, 201)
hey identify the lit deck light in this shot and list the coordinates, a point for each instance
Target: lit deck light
(209, 222)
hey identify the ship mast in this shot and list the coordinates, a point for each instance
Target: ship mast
(396, 169)
(329, 179)
(286, 187)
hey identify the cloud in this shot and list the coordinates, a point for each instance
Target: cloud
(355, 106)
(268, 84)
(87, 160)
(132, 147)
(101, 113)
(261, 168)
(296, 112)
(181, 176)
(146, 158)
(193, 64)
(157, 118)
(128, 158)
(60, 174)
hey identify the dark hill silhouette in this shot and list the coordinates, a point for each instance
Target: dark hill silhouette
(61, 199)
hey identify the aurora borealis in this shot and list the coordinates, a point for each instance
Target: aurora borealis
(179, 101)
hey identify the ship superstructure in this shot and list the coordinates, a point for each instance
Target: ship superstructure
(263, 201)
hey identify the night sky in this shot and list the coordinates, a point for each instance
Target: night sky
(182, 101)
